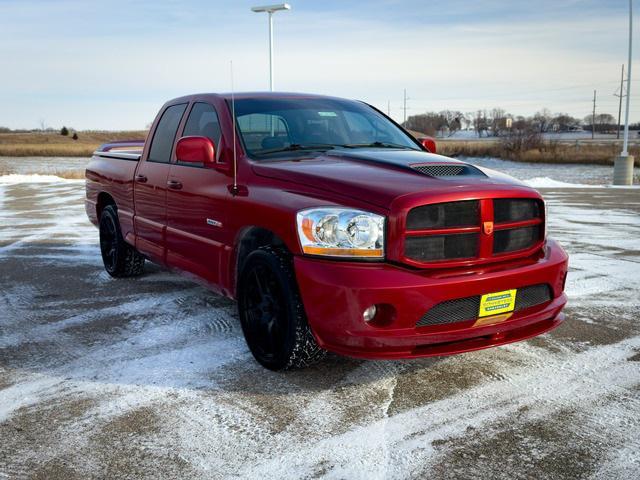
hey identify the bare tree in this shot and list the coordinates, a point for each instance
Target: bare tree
(480, 122)
(563, 122)
(498, 121)
(542, 120)
(524, 135)
(603, 122)
(520, 123)
(429, 123)
(454, 120)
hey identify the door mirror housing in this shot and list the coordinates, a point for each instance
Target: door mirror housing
(196, 150)
(429, 144)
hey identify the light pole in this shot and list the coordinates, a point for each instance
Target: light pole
(271, 9)
(623, 166)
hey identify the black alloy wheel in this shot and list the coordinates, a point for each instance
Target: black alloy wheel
(119, 258)
(271, 312)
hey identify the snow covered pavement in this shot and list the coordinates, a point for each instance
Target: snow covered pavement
(150, 377)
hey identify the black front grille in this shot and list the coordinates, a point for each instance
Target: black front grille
(466, 309)
(515, 209)
(532, 296)
(462, 230)
(444, 215)
(514, 239)
(441, 247)
(451, 311)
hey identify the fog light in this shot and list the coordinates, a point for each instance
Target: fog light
(369, 313)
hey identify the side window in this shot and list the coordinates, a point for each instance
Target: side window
(203, 122)
(364, 129)
(263, 131)
(165, 134)
(358, 123)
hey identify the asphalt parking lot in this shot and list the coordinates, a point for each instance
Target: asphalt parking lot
(151, 378)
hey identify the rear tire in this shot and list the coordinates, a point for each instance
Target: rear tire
(271, 312)
(120, 259)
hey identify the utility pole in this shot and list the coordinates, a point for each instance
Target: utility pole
(593, 117)
(623, 165)
(388, 108)
(405, 109)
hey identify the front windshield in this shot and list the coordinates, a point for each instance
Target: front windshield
(270, 126)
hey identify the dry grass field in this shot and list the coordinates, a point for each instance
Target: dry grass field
(550, 151)
(56, 145)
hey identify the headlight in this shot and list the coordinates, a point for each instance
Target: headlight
(341, 232)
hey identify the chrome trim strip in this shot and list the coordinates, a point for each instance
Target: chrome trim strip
(121, 155)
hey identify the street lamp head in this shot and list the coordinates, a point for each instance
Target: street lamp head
(271, 8)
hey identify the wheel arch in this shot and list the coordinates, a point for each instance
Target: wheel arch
(102, 201)
(250, 239)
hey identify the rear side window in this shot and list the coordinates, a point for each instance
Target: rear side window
(165, 134)
(203, 122)
(263, 131)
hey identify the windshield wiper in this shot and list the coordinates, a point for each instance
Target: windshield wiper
(294, 147)
(376, 145)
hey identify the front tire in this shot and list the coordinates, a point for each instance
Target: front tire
(120, 259)
(271, 312)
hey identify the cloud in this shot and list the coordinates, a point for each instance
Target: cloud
(112, 64)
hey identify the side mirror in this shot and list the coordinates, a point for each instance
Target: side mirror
(196, 150)
(429, 144)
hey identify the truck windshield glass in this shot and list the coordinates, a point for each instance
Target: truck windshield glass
(269, 126)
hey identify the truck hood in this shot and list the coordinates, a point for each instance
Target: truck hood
(380, 176)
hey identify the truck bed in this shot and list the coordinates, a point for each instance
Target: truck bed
(111, 170)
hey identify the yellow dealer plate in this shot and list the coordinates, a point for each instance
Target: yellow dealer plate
(498, 302)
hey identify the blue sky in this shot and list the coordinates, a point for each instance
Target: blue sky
(110, 65)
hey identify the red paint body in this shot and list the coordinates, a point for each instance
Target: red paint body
(164, 207)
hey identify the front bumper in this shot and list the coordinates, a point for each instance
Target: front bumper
(335, 294)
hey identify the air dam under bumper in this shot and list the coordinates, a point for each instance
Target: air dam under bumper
(335, 294)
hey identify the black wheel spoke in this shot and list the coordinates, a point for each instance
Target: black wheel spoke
(258, 283)
(262, 307)
(273, 334)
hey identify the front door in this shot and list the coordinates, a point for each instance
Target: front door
(196, 198)
(150, 186)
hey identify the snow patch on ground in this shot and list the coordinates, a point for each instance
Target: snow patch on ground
(546, 182)
(15, 178)
(360, 453)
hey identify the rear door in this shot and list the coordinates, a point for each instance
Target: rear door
(196, 199)
(150, 190)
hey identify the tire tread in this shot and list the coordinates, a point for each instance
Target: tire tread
(130, 262)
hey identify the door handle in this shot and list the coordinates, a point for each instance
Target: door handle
(141, 178)
(174, 184)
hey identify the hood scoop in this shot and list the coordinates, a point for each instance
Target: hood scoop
(448, 170)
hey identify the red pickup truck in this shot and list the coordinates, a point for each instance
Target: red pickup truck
(331, 226)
